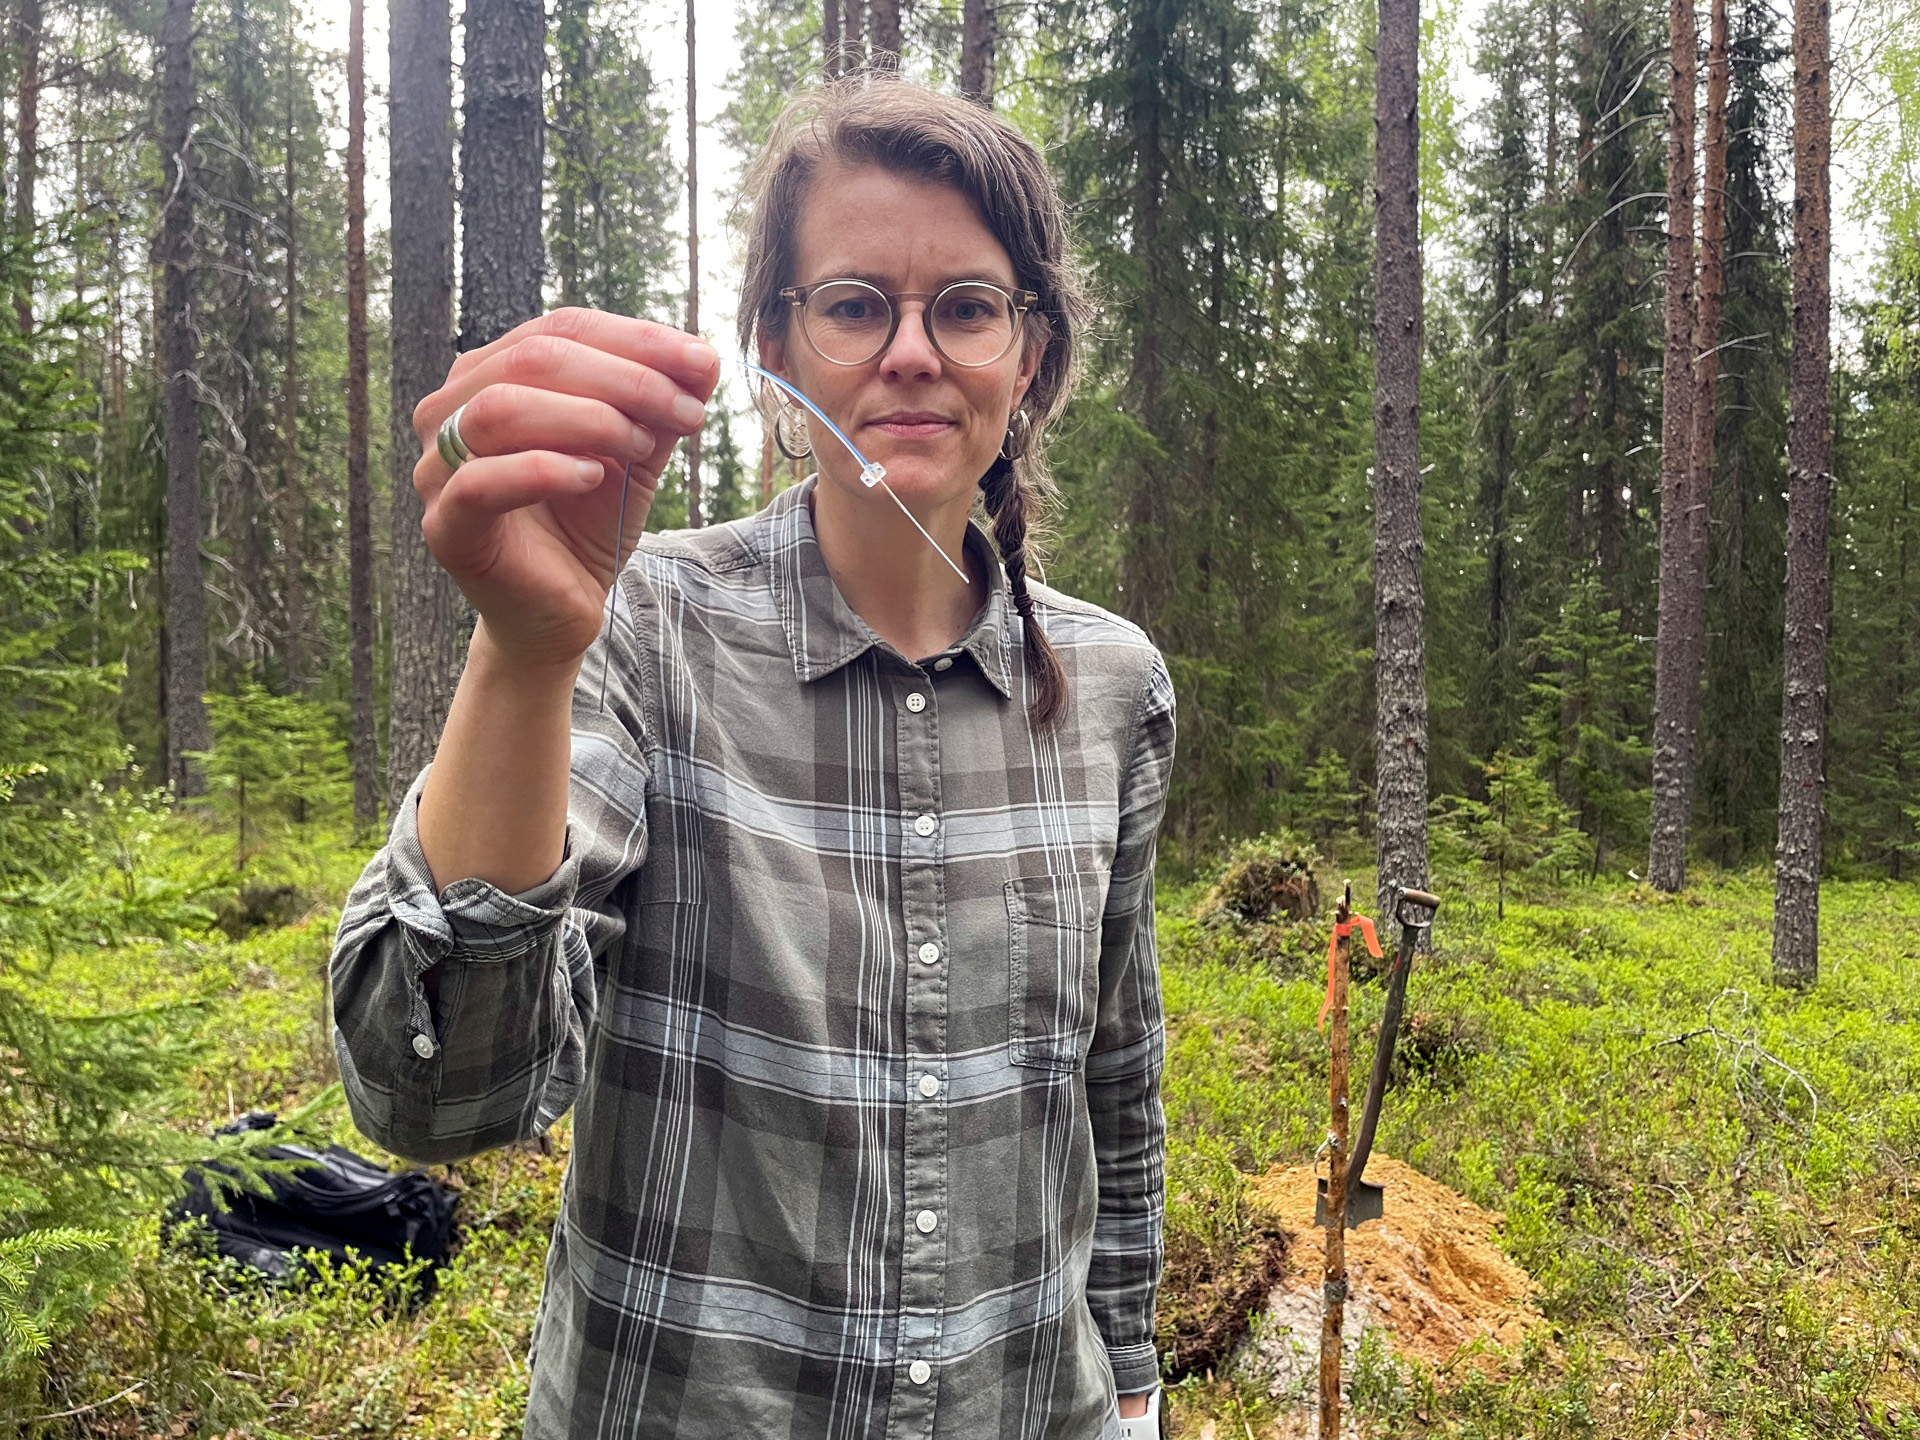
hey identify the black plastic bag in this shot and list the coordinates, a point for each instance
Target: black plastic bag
(340, 1203)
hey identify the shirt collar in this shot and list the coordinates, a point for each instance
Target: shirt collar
(824, 633)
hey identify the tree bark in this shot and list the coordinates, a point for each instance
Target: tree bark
(420, 150)
(830, 56)
(296, 610)
(694, 518)
(1551, 177)
(1713, 231)
(572, 41)
(187, 728)
(502, 144)
(853, 52)
(1676, 666)
(364, 748)
(27, 42)
(1145, 566)
(1796, 893)
(978, 22)
(885, 36)
(1400, 733)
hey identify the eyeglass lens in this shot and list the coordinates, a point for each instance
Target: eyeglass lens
(848, 321)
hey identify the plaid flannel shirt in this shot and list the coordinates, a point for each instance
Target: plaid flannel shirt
(849, 977)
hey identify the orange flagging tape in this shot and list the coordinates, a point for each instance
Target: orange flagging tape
(1340, 932)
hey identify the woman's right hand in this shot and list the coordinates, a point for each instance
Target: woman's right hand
(555, 409)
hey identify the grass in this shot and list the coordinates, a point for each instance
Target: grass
(1709, 1178)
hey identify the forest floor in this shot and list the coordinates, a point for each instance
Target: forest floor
(1708, 1181)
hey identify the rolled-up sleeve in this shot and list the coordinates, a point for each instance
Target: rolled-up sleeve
(1125, 1063)
(499, 1054)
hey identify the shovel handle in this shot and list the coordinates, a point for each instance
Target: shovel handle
(1389, 1027)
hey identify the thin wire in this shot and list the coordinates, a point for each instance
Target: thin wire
(872, 472)
(619, 538)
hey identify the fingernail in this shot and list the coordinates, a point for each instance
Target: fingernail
(699, 355)
(689, 412)
(642, 441)
(589, 469)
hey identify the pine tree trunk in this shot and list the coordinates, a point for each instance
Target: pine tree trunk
(27, 44)
(501, 151)
(1400, 734)
(886, 35)
(420, 149)
(1713, 231)
(1551, 160)
(1796, 902)
(296, 611)
(830, 57)
(853, 53)
(572, 38)
(365, 751)
(187, 728)
(1146, 581)
(1676, 668)
(977, 24)
(694, 517)
(1713, 281)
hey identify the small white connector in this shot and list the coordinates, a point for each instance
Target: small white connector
(873, 474)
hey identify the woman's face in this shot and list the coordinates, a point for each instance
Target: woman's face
(934, 425)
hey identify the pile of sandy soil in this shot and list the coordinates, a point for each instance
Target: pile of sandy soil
(1428, 1274)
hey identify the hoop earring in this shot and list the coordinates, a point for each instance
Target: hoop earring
(1018, 437)
(794, 449)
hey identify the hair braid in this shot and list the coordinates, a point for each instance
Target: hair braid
(1005, 496)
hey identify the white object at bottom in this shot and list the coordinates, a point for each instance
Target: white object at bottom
(1147, 1426)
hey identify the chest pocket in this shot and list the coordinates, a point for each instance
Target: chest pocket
(1053, 970)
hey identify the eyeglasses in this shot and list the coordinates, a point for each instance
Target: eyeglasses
(970, 322)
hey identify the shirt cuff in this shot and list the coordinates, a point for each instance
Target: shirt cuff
(1135, 1368)
(471, 919)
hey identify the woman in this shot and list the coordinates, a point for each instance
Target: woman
(822, 888)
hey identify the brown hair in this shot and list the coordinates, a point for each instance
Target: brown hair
(916, 132)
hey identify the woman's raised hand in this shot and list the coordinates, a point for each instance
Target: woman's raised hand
(555, 409)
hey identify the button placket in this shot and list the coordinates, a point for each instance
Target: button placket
(924, 1131)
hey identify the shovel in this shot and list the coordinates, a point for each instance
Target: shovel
(1366, 1201)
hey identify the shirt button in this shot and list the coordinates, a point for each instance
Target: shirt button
(919, 1370)
(916, 702)
(423, 1046)
(943, 663)
(926, 1220)
(925, 825)
(929, 1085)
(929, 953)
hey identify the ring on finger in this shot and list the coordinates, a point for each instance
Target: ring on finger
(452, 448)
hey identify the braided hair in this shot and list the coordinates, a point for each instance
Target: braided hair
(1006, 499)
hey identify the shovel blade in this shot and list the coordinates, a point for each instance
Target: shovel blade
(1365, 1201)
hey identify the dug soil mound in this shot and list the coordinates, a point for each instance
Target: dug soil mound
(1428, 1274)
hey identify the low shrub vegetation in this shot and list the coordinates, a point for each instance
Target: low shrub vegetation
(1707, 1177)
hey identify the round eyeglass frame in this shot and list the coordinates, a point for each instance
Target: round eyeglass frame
(1021, 301)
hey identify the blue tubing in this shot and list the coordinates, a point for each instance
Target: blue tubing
(872, 472)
